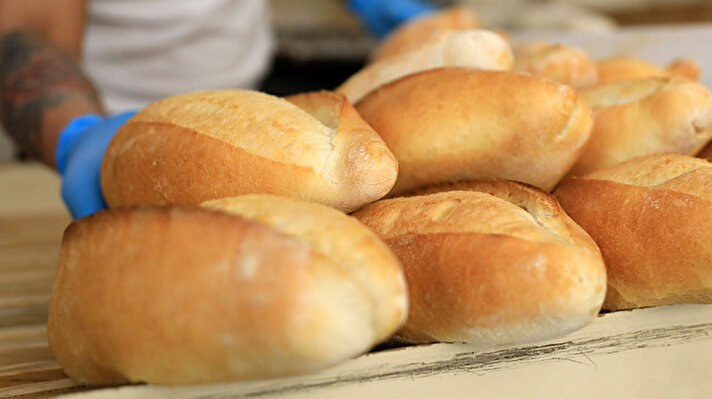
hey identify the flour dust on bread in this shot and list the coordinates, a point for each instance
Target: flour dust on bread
(652, 219)
(490, 263)
(186, 295)
(472, 49)
(413, 33)
(645, 116)
(205, 145)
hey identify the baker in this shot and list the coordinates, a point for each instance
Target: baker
(136, 52)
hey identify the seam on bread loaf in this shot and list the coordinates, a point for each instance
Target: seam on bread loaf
(465, 253)
(479, 49)
(542, 207)
(205, 145)
(296, 218)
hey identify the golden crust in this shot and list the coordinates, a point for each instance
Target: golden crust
(686, 67)
(625, 67)
(652, 219)
(412, 34)
(564, 64)
(205, 145)
(472, 48)
(483, 269)
(339, 237)
(179, 295)
(646, 116)
(455, 123)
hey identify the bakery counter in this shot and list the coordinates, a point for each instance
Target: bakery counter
(654, 352)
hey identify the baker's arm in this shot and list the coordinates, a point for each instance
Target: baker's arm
(58, 23)
(50, 108)
(41, 90)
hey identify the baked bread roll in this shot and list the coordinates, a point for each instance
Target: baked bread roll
(474, 48)
(685, 67)
(706, 152)
(652, 219)
(455, 123)
(199, 146)
(184, 295)
(564, 64)
(645, 116)
(412, 34)
(625, 67)
(498, 264)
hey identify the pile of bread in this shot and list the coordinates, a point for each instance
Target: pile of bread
(228, 251)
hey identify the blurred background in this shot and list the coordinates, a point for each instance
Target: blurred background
(319, 43)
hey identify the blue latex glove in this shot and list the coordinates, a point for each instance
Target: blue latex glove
(381, 16)
(80, 151)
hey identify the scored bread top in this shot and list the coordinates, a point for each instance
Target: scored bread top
(211, 144)
(472, 48)
(645, 116)
(269, 126)
(625, 67)
(564, 64)
(339, 237)
(668, 171)
(623, 92)
(498, 207)
(411, 34)
(651, 219)
(499, 263)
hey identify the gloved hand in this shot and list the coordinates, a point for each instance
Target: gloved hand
(380, 16)
(80, 151)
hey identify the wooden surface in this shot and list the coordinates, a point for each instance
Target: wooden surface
(32, 219)
(653, 353)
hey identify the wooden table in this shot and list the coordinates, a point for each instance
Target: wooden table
(32, 219)
(653, 353)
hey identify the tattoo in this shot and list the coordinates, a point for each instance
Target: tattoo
(35, 78)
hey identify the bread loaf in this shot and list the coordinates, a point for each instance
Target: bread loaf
(498, 264)
(645, 116)
(183, 295)
(564, 64)
(625, 67)
(455, 123)
(205, 145)
(473, 48)
(685, 67)
(413, 33)
(652, 219)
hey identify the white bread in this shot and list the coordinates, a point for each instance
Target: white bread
(413, 33)
(652, 219)
(194, 147)
(645, 116)
(500, 263)
(473, 49)
(455, 123)
(565, 64)
(184, 295)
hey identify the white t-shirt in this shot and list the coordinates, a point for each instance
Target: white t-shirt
(139, 51)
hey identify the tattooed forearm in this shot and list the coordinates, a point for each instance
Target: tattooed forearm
(41, 88)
